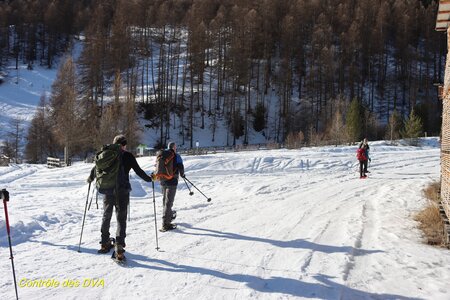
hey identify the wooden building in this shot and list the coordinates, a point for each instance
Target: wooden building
(442, 24)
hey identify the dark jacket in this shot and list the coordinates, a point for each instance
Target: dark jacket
(129, 162)
(178, 169)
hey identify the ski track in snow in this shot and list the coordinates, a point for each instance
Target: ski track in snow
(282, 224)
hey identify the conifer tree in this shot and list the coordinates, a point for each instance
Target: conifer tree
(259, 115)
(354, 121)
(413, 128)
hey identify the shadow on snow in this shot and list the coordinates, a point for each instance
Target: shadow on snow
(297, 243)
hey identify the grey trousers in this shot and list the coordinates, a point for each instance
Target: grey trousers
(168, 198)
(109, 202)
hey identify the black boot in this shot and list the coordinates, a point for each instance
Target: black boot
(168, 227)
(105, 248)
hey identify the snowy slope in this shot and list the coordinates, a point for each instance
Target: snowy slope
(282, 224)
(20, 94)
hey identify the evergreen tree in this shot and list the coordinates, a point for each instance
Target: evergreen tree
(354, 122)
(259, 115)
(413, 128)
(238, 125)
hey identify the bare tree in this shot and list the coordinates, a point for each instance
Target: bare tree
(40, 140)
(15, 136)
(66, 108)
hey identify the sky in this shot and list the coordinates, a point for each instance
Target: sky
(282, 224)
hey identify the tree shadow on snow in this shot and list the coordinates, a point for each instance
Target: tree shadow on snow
(325, 288)
(297, 243)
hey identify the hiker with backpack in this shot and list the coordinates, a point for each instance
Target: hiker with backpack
(362, 154)
(169, 166)
(111, 171)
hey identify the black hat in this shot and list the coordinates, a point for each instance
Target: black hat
(120, 139)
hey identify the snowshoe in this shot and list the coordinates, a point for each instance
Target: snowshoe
(105, 248)
(120, 259)
(119, 253)
(168, 227)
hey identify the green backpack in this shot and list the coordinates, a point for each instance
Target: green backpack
(108, 169)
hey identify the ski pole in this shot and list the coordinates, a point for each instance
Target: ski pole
(84, 217)
(208, 199)
(154, 211)
(190, 192)
(4, 194)
(90, 202)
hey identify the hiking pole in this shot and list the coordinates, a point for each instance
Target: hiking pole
(208, 199)
(84, 217)
(4, 194)
(190, 192)
(154, 210)
(90, 202)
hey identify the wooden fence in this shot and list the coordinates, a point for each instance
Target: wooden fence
(53, 162)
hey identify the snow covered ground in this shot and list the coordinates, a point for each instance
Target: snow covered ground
(282, 224)
(20, 95)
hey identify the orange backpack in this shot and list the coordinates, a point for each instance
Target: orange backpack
(164, 165)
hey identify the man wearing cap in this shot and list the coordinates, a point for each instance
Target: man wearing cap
(169, 189)
(120, 202)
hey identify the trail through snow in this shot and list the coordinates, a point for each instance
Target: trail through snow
(282, 224)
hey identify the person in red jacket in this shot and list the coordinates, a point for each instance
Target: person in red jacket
(363, 157)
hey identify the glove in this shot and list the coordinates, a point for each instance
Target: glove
(183, 175)
(370, 159)
(153, 176)
(89, 179)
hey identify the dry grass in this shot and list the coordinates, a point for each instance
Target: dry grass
(294, 140)
(432, 191)
(430, 219)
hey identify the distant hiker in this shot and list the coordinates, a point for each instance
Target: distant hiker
(364, 143)
(116, 190)
(362, 155)
(169, 166)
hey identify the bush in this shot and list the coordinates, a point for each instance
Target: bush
(430, 219)
(294, 140)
